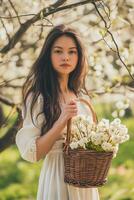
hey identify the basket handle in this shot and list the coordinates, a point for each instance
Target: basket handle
(69, 123)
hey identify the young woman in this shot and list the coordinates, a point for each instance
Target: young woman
(50, 96)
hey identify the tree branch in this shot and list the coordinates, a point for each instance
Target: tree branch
(9, 138)
(6, 101)
(6, 82)
(43, 13)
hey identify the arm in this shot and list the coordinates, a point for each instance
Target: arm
(31, 145)
(27, 135)
(45, 142)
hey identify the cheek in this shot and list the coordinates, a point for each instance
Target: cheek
(53, 59)
(75, 59)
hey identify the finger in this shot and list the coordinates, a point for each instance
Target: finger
(72, 107)
(72, 101)
(73, 115)
(72, 111)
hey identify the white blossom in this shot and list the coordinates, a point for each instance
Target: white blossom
(107, 146)
(119, 104)
(96, 139)
(82, 142)
(116, 121)
(114, 114)
(106, 134)
(115, 150)
(74, 145)
(121, 113)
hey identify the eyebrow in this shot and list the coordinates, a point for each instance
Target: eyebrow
(62, 48)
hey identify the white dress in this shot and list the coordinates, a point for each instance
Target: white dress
(51, 181)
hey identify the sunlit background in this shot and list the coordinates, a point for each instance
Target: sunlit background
(107, 30)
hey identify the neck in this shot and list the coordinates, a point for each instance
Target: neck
(64, 84)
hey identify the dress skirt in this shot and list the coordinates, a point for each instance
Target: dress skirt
(51, 180)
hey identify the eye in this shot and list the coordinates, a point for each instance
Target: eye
(57, 51)
(72, 52)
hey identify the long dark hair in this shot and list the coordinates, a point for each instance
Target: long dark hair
(43, 79)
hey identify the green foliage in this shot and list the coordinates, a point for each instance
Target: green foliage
(18, 178)
(92, 146)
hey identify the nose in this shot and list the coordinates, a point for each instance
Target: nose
(65, 57)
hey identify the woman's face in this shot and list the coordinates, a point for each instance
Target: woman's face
(64, 55)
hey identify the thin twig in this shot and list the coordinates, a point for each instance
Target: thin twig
(11, 86)
(3, 83)
(116, 45)
(13, 17)
(8, 36)
(13, 7)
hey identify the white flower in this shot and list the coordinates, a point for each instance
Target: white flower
(85, 139)
(125, 138)
(104, 123)
(116, 121)
(112, 130)
(83, 129)
(101, 128)
(107, 146)
(75, 132)
(104, 136)
(119, 104)
(114, 114)
(116, 139)
(82, 142)
(123, 130)
(73, 145)
(96, 139)
(121, 113)
(89, 129)
(115, 150)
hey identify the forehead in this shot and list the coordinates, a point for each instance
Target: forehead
(64, 41)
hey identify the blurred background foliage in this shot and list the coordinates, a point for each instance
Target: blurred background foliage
(110, 80)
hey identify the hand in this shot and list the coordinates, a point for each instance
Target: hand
(68, 110)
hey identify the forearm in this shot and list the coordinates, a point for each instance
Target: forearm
(45, 142)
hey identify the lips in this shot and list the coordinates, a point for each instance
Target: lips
(65, 65)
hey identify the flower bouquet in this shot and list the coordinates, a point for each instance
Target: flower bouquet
(105, 136)
(90, 147)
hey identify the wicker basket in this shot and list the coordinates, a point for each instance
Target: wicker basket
(85, 168)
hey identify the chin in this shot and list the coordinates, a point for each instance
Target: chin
(65, 72)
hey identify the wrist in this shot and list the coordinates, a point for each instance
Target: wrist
(61, 122)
